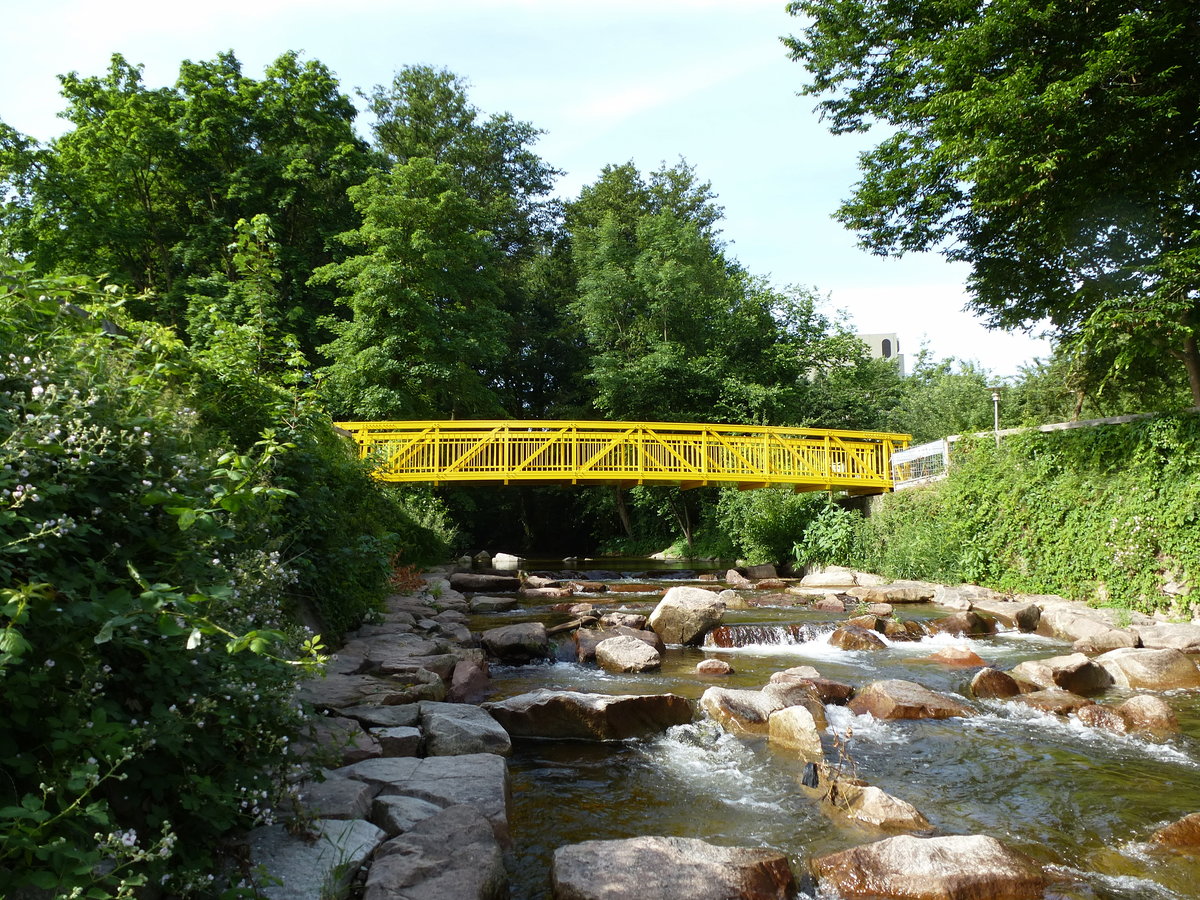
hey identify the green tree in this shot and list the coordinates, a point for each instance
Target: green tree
(150, 183)
(424, 325)
(1051, 147)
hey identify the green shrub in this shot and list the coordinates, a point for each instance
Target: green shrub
(153, 544)
(764, 525)
(1108, 513)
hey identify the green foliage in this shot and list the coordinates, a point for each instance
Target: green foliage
(154, 545)
(1106, 513)
(1043, 144)
(764, 525)
(829, 538)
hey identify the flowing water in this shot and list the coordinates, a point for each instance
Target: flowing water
(1080, 800)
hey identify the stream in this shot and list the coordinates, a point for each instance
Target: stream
(1080, 800)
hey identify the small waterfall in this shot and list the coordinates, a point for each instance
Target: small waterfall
(727, 636)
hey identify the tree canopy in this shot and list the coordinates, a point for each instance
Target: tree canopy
(1055, 148)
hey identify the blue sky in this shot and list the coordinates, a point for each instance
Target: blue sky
(607, 80)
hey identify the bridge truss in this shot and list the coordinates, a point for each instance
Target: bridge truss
(628, 453)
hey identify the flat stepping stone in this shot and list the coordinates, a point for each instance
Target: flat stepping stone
(318, 866)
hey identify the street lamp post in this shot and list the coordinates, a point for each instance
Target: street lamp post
(996, 414)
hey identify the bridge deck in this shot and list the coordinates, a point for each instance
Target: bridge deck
(628, 453)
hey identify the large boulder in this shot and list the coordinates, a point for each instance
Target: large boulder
(964, 624)
(960, 867)
(571, 715)
(1149, 714)
(793, 728)
(1074, 672)
(626, 654)
(477, 779)
(899, 592)
(1010, 613)
(517, 643)
(336, 691)
(871, 806)
(897, 699)
(685, 614)
(1145, 669)
(452, 729)
(855, 637)
(1169, 636)
(1072, 622)
(471, 581)
(992, 684)
(450, 854)
(1053, 701)
(668, 868)
(588, 639)
(739, 711)
(319, 865)
(832, 576)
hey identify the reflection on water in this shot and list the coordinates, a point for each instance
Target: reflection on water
(1080, 800)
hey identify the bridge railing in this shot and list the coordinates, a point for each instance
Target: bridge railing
(689, 455)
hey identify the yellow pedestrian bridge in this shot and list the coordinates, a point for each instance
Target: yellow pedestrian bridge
(629, 453)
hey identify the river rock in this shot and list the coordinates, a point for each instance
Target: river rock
(910, 630)
(855, 637)
(833, 576)
(869, 805)
(1075, 673)
(588, 639)
(960, 867)
(336, 798)
(319, 865)
(399, 740)
(897, 699)
(484, 584)
(573, 715)
(760, 572)
(1169, 636)
(396, 814)
(1011, 613)
(1071, 622)
(517, 644)
(337, 740)
(868, 621)
(828, 691)
(733, 600)
(1184, 833)
(1150, 714)
(383, 716)
(951, 598)
(1053, 701)
(1104, 641)
(798, 693)
(685, 614)
(830, 603)
(337, 691)
(1148, 669)
(626, 654)
(1097, 715)
(468, 681)
(668, 868)
(992, 684)
(964, 624)
(481, 604)
(451, 854)
(957, 656)
(476, 779)
(507, 562)
(713, 667)
(739, 711)
(452, 729)
(736, 579)
(899, 592)
(624, 619)
(794, 728)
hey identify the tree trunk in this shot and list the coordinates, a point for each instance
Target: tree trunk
(1191, 361)
(623, 510)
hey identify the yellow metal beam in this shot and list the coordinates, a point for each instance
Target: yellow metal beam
(573, 452)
